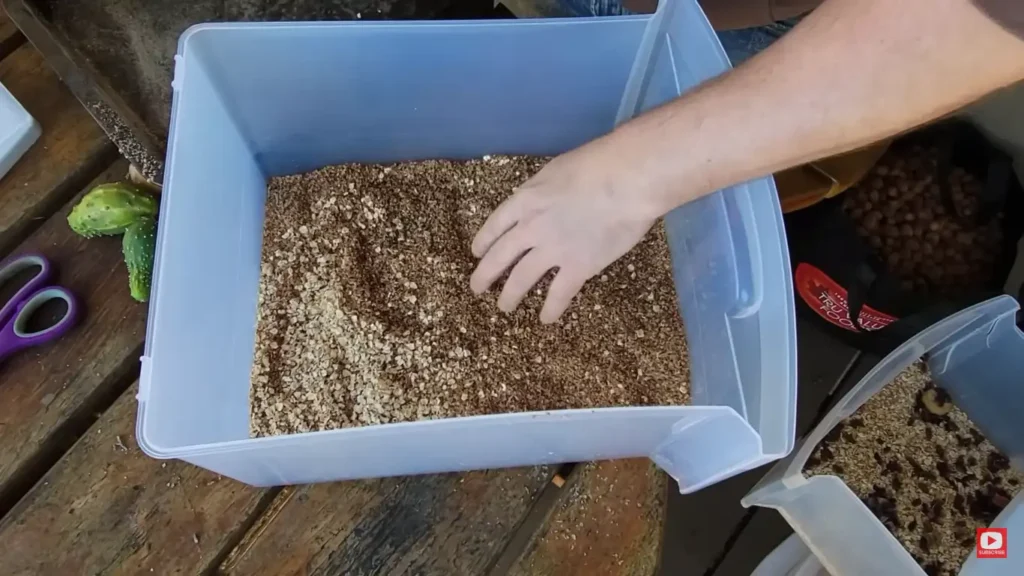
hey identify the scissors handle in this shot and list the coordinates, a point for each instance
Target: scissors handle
(15, 336)
(15, 266)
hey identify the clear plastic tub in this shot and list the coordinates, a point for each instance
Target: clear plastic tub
(18, 130)
(257, 100)
(977, 355)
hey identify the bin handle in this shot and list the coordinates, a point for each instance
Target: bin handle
(747, 246)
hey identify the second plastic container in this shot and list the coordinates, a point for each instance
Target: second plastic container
(252, 101)
(977, 355)
(18, 130)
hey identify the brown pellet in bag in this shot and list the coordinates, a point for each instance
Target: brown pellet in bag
(366, 315)
(922, 467)
(899, 212)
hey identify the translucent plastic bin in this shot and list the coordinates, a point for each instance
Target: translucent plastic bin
(257, 100)
(18, 130)
(977, 355)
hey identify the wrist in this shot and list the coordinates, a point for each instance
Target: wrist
(663, 174)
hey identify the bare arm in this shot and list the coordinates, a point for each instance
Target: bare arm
(853, 72)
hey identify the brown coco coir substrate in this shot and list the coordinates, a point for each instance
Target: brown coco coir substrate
(920, 465)
(366, 316)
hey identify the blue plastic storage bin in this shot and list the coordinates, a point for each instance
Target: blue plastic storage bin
(18, 131)
(977, 355)
(253, 101)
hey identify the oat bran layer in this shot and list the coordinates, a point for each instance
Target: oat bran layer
(366, 316)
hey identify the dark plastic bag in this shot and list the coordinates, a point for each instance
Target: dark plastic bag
(841, 273)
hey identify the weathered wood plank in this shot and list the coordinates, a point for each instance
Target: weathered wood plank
(71, 150)
(609, 524)
(10, 37)
(701, 526)
(49, 394)
(107, 508)
(536, 520)
(425, 525)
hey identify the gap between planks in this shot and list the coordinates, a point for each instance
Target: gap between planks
(609, 523)
(67, 434)
(10, 36)
(254, 523)
(267, 513)
(536, 519)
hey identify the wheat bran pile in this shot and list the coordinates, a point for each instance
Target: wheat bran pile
(366, 315)
(920, 465)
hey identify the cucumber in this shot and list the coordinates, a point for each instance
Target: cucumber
(139, 247)
(109, 209)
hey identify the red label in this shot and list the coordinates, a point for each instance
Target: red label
(829, 300)
(991, 543)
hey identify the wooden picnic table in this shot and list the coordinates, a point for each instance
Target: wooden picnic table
(77, 495)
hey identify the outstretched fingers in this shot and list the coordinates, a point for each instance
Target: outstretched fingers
(502, 220)
(564, 287)
(499, 257)
(526, 273)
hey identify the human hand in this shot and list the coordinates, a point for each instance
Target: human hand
(580, 213)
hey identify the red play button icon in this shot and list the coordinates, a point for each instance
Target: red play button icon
(991, 543)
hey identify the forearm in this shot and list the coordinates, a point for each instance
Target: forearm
(852, 73)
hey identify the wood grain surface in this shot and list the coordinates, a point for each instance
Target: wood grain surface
(50, 394)
(10, 38)
(609, 523)
(71, 150)
(448, 524)
(107, 508)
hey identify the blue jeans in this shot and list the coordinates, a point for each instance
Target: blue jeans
(739, 44)
(742, 44)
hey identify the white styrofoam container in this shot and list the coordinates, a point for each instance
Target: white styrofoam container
(18, 130)
(253, 101)
(977, 355)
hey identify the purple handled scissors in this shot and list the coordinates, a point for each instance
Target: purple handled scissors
(15, 314)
